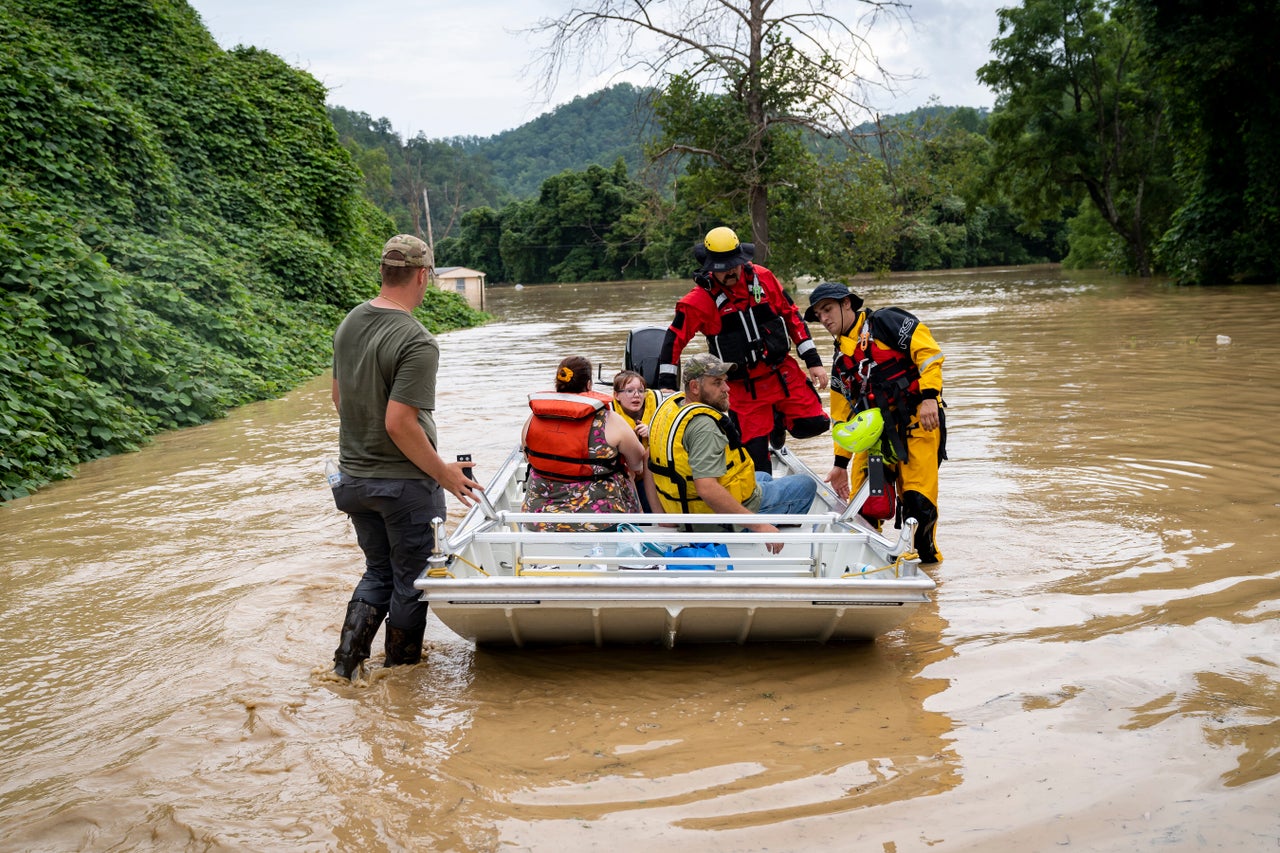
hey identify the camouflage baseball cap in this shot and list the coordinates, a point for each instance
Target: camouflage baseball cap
(412, 252)
(705, 364)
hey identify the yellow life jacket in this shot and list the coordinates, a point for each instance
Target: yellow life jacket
(669, 460)
(646, 412)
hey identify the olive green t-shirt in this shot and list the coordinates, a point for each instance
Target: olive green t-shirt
(382, 354)
(705, 443)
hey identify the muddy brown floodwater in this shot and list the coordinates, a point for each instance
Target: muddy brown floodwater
(1098, 670)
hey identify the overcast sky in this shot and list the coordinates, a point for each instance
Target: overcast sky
(462, 67)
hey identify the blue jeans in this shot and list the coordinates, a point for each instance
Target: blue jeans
(786, 495)
(392, 519)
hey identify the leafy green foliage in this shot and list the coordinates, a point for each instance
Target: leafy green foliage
(950, 216)
(925, 202)
(1094, 244)
(584, 226)
(180, 231)
(1077, 118)
(1218, 70)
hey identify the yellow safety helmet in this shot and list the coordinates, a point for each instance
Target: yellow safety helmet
(721, 250)
(860, 434)
(722, 239)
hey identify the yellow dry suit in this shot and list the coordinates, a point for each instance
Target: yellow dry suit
(889, 360)
(669, 460)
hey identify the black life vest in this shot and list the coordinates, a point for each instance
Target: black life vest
(751, 334)
(876, 375)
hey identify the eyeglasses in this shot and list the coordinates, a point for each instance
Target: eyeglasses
(631, 391)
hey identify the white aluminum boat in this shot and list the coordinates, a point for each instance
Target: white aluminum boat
(494, 582)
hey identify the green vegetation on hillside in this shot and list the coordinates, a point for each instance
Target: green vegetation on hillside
(597, 129)
(180, 230)
(1128, 134)
(1154, 124)
(922, 202)
(396, 173)
(463, 173)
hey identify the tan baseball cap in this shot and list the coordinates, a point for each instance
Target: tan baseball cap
(705, 364)
(406, 250)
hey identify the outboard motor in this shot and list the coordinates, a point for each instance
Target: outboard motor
(644, 345)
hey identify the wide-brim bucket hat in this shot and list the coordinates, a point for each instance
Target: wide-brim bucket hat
(829, 290)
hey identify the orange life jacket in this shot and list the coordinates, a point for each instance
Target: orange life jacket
(558, 441)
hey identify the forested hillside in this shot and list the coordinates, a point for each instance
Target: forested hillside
(543, 202)
(466, 172)
(596, 129)
(180, 230)
(917, 196)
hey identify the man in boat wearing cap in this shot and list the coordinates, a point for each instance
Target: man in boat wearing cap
(749, 321)
(697, 460)
(887, 361)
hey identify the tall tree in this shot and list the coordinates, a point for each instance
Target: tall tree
(1219, 68)
(1077, 117)
(778, 65)
(584, 226)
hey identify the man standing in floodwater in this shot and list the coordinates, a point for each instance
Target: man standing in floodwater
(392, 481)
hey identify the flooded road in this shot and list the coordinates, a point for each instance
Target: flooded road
(1099, 669)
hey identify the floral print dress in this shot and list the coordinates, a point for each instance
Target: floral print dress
(616, 493)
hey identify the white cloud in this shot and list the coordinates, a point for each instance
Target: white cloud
(950, 40)
(444, 68)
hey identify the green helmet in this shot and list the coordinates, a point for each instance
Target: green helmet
(860, 434)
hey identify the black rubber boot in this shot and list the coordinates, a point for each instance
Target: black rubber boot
(809, 427)
(917, 506)
(361, 624)
(758, 449)
(404, 646)
(778, 437)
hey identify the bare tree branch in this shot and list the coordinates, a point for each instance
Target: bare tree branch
(785, 63)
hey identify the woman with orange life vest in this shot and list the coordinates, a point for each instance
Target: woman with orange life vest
(887, 360)
(749, 321)
(581, 456)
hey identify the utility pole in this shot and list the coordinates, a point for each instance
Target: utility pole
(431, 241)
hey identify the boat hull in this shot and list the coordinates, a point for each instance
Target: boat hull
(718, 609)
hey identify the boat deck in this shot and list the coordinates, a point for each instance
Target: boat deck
(835, 578)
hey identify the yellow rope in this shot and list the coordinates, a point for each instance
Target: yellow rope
(442, 572)
(895, 567)
(471, 564)
(521, 571)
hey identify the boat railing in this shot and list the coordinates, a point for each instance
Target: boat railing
(512, 520)
(658, 522)
(487, 525)
(810, 542)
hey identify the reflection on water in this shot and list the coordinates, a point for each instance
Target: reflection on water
(1099, 669)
